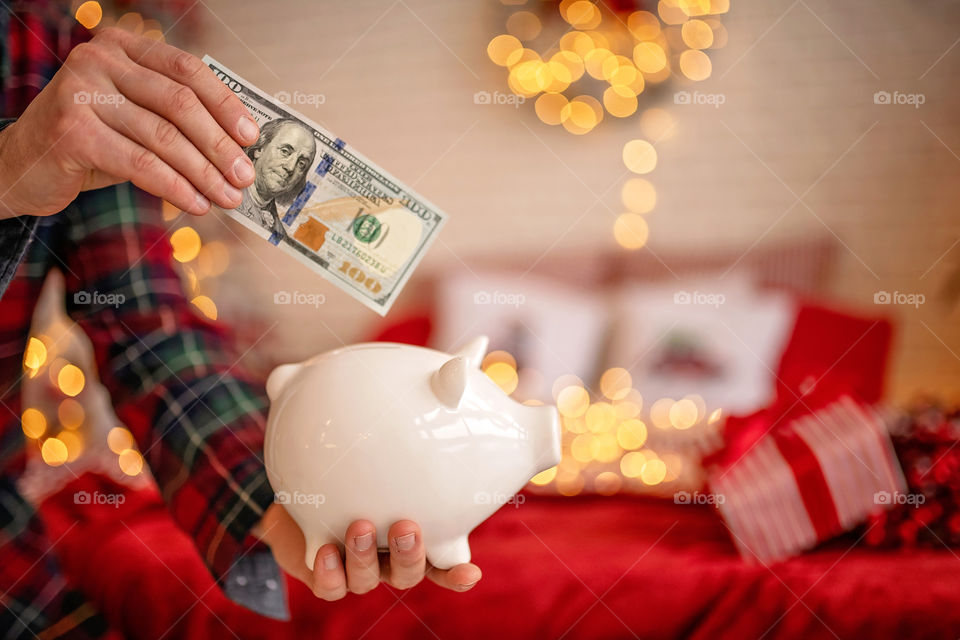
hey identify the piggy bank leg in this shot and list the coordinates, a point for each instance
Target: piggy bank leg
(312, 547)
(448, 553)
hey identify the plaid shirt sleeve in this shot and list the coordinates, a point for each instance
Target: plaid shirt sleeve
(197, 418)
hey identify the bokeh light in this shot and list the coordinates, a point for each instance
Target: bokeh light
(119, 439)
(695, 64)
(638, 195)
(70, 413)
(631, 231)
(524, 25)
(504, 375)
(130, 461)
(639, 156)
(185, 242)
(615, 383)
(70, 380)
(89, 14)
(33, 422)
(54, 452)
(206, 306)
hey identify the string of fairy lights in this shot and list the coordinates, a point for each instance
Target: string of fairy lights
(609, 442)
(596, 59)
(607, 445)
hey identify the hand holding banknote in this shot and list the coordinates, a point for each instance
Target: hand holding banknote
(123, 107)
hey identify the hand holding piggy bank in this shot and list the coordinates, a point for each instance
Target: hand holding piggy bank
(390, 432)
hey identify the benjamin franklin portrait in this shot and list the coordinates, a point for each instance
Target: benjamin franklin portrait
(281, 158)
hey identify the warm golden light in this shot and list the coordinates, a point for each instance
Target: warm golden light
(643, 25)
(569, 484)
(695, 64)
(573, 402)
(639, 156)
(70, 413)
(504, 375)
(549, 107)
(631, 231)
(631, 464)
(581, 447)
(73, 441)
(605, 448)
(186, 244)
(620, 101)
(632, 434)
(33, 423)
(683, 414)
(660, 413)
(600, 417)
(213, 259)
(638, 195)
(697, 34)
(54, 452)
(70, 379)
(607, 483)
(498, 356)
(544, 477)
(130, 461)
(119, 440)
(35, 354)
(615, 383)
(571, 61)
(649, 57)
(716, 415)
(505, 50)
(564, 381)
(653, 472)
(582, 15)
(89, 14)
(206, 306)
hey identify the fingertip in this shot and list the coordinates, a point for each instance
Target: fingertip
(248, 130)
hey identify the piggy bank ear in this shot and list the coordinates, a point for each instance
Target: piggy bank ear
(474, 351)
(279, 378)
(450, 381)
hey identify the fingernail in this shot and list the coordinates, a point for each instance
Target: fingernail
(202, 204)
(464, 587)
(330, 561)
(405, 543)
(362, 543)
(248, 129)
(232, 193)
(243, 169)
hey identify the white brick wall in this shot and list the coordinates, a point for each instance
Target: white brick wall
(799, 112)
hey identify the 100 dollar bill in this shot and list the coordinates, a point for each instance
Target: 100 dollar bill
(328, 206)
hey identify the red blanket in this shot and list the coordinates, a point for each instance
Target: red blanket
(587, 567)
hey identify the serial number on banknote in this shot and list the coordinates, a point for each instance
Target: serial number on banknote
(318, 200)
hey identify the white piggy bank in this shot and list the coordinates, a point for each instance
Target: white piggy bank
(387, 432)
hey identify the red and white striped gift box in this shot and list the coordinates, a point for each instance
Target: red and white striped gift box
(807, 481)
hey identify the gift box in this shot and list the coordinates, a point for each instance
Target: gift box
(819, 460)
(808, 480)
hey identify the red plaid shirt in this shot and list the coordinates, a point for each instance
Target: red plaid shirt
(172, 375)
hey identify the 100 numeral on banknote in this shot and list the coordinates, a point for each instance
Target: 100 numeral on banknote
(328, 206)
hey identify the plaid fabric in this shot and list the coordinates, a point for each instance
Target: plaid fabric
(198, 420)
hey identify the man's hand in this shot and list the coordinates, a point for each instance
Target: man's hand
(402, 568)
(123, 107)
